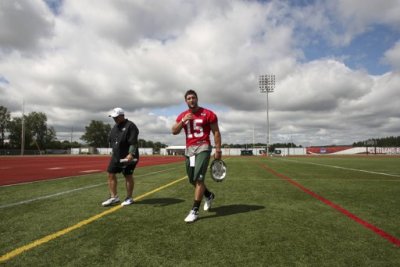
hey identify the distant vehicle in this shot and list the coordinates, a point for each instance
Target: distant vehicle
(246, 152)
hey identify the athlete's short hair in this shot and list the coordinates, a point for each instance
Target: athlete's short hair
(190, 92)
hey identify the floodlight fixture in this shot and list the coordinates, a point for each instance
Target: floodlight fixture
(266, 83)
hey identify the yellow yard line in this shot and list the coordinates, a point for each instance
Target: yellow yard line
(55, 235)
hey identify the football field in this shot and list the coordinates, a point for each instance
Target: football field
(281, 211)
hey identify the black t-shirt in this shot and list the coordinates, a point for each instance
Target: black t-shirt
(121, 137)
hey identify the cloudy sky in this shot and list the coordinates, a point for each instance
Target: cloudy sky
(336, 63)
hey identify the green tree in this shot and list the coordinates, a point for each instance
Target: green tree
(4, 121)
(50, 137)
(15, 129)
(391, 141)
(37, 133)
(96, 134)
(36, 124)
(158, 146)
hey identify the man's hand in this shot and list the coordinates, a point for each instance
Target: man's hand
(218, 154)
(188, 116)
(129, 157)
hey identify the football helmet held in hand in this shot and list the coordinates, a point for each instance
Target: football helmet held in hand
(218, 170)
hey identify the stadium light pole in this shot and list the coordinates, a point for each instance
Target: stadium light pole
(23, 129)
(266, 84)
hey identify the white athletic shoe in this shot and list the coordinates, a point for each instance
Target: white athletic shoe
(208, 202)
(193, 215)
(110, 201)
(128, 201)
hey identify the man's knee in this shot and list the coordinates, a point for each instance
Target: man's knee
(129, 177)
(199, 183)
(112, 176)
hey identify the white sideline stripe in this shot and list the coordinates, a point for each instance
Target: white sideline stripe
(49, 196)
(344, 168)
(42, 181)
(48, 238)
(70, 191)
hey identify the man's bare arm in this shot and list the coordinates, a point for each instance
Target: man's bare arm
(177, 127)
(217, 140)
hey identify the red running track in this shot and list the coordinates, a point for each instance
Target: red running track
(22, 169)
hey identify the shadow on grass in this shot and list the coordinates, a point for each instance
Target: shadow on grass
(231, 210)
(160, 202)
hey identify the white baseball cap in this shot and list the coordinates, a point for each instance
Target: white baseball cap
(116, 112)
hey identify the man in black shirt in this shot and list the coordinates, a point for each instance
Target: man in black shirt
(123, 139)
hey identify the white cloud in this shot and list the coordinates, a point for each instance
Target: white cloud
(321, 85)
(392, 56)
(358, 16)
(364, 12)
(338, 22)
(88, 58)
(24, 25)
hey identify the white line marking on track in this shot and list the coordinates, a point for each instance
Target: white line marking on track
(56, 168)
(70, 191)
(88, 171)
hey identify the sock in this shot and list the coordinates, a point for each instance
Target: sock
(207, 193)
(196, 205)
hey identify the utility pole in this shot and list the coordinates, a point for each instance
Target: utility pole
(23, 129)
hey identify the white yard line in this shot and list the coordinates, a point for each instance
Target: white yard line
(49, 196)
(343, 168)
(45, 239)
(70, 191)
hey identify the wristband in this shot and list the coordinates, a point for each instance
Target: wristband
(131, 150)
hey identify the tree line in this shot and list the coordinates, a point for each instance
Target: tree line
(391, 141)
(271, 147)
(38, 135)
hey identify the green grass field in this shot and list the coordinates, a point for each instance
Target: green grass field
(258, 218)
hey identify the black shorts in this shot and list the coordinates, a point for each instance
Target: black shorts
(125, 168)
